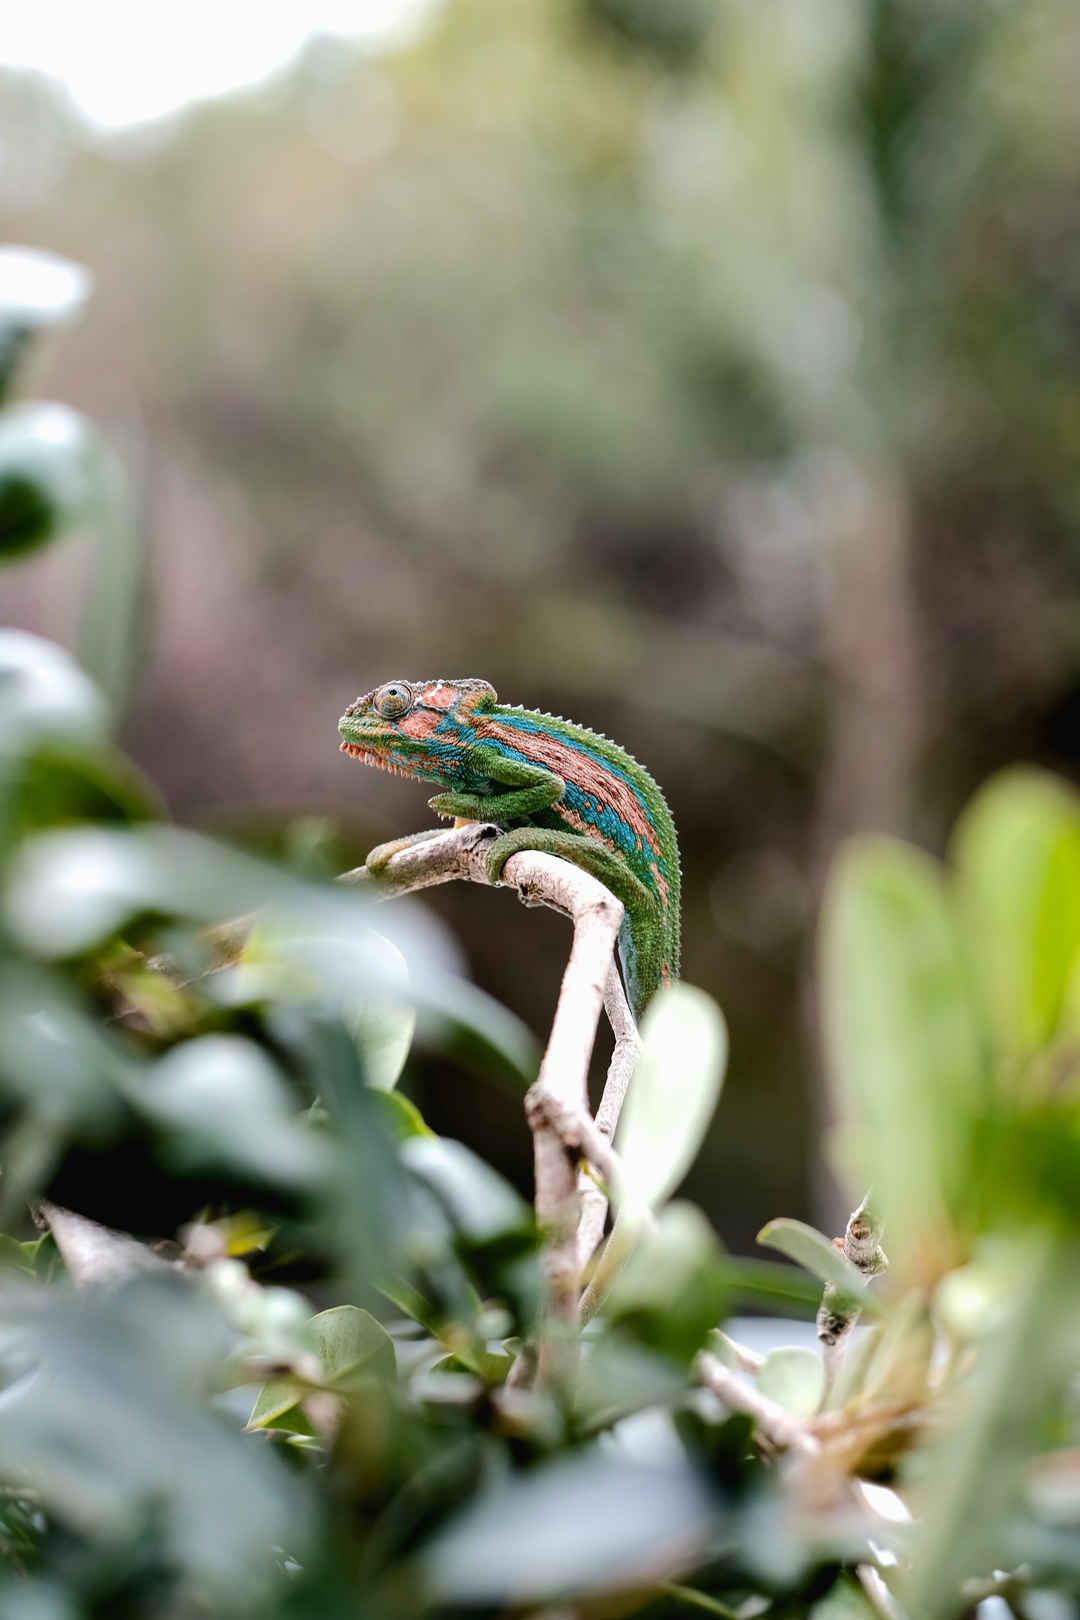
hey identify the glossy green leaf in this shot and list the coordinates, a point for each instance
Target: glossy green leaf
(816, 1252)
(673, 1093)
(794, 1378)
(1017, 854)
(903, 1040)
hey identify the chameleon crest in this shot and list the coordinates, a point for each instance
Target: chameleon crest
(550, 785)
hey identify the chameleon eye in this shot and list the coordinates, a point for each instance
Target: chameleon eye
(393, 699)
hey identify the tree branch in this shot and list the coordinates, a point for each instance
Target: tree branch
(557, 1107)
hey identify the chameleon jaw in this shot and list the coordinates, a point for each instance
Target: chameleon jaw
(380, 762)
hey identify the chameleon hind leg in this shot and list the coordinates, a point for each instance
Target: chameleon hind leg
(581, 851)
(637, 947)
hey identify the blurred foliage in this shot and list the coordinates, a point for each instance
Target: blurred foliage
(297, 1400)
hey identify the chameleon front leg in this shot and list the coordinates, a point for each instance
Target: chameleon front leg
(530, 788)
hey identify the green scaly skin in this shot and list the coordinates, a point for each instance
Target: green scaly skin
(550, 785)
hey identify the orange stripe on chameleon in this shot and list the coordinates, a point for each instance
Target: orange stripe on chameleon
(591, 777)
(420, 723)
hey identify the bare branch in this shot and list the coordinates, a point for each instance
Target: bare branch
(620, 1070)
(558, 1109)
(772, 1422)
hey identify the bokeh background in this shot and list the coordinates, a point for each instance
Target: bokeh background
(707, 372)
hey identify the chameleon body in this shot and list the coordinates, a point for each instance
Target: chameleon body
(550, 785)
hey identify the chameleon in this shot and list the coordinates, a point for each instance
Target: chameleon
(548, 784)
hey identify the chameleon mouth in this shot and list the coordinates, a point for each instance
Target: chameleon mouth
(380, 762)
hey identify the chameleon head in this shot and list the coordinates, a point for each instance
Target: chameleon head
(415, 728)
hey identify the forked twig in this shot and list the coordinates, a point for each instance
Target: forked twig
(557, 1106)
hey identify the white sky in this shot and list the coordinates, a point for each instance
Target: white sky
(124, 61)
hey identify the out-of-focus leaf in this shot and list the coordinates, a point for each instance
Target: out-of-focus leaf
(1017, 855)
(56, 783)
(673, 1093)
(44, 695)
(794, 1378)
(768, 1284)
(844, 1601)
(70, 890)
(671, 1290)
(904, 1045)
(585, 1523)
(106, 1416)
(50, 473)
(899, 1365)
(617, 1378)
(483, 1207)
(38, 288)
(23, 1597)
(338, 972)
(970, 1470)
(403, 1116)
(351, 1344)
(278, 1406)
(817, 1253)
(219, 1100)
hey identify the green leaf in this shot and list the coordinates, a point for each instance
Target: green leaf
(46, 696)
(277, 1406)
(338, 972)
(1017, 855)
(972, 1469)
(56, 783)
(116, 1415)
(795, 1378)
(219, 1100)
(483, 1207)
(845, 1600)
(403, 1116)
(590, 1522)
(673, 1093)
(671, 1291)
(353, 1344)
(816, 1252)
(70, 890)
(903, 1039)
